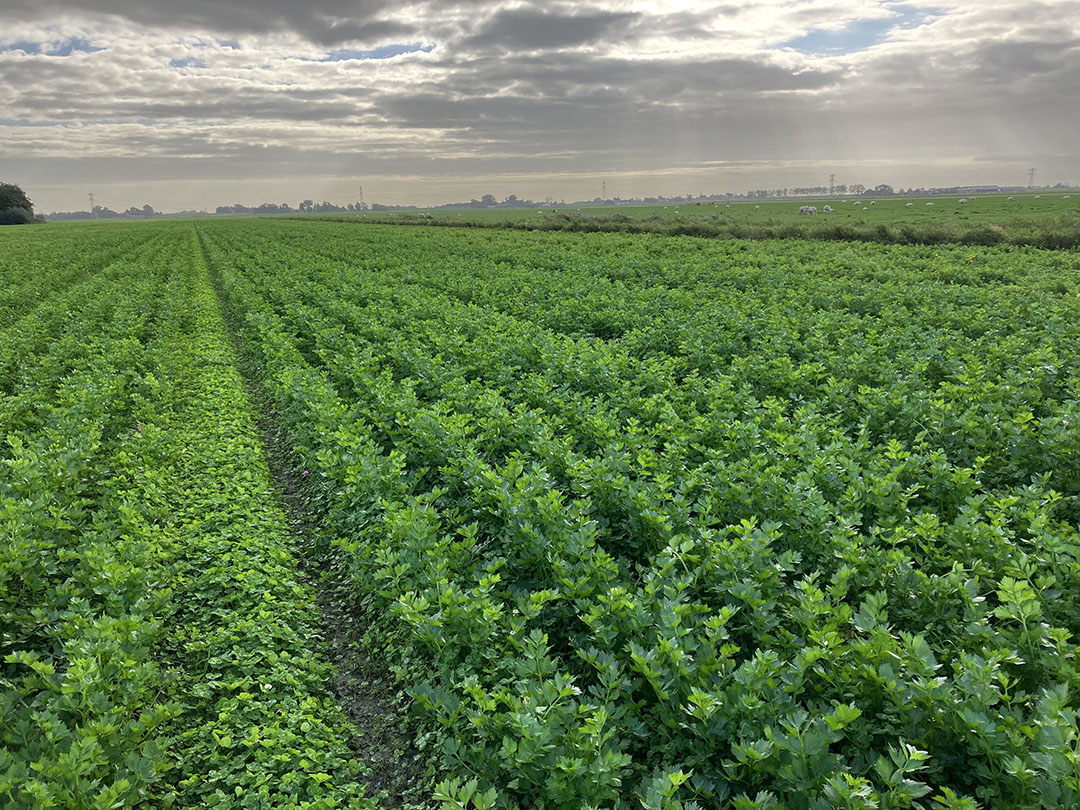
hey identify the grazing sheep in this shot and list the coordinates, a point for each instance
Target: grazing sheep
(929, 203)
(1066, 196)
(808, 209)
(828, 209)
(873, 202)
(757, 207)
(962, 201)
(911, 203)
(1038, 196)
(1012, 198)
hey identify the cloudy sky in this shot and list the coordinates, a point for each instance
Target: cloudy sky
(197, 103)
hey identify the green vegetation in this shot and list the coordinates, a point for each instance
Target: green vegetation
(643, 520)
(157, 645)
(635, 520)
(15, 206)
(1051, 221)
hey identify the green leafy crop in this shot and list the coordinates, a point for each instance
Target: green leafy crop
(637, 521)
(656, 522)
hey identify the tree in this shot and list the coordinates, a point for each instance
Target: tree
(11, 196)
(15, 206)
(488, 199)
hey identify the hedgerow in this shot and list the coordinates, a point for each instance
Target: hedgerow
(650, 521)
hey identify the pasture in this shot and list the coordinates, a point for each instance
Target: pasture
(983, 209)
(1043, 220)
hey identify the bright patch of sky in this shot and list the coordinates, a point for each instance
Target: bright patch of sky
(858, 35)
(382, 52)
(23, 122)
(187, 61)
(63, 47)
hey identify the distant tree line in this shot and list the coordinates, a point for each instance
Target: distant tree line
(17, 211)
(103, 212)
(306, 207)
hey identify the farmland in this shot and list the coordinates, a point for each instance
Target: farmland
(633, 520)
(1050, 219)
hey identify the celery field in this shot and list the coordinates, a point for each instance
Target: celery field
(631, 520)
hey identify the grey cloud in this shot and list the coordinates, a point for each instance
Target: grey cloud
(523, 28)
(327, 22)
(338, 31)
(687, 25)
(516, 88)
(561, 75)
(1008, 61)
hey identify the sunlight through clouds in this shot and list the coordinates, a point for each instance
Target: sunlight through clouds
(328, 94)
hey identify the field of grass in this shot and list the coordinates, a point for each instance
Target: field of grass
(632, 520)
(1052, 220)
(892, 210)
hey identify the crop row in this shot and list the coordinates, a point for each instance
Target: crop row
(793, 528)
(159, 647)
(32, 269)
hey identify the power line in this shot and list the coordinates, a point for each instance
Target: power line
(1031, 177)
(92, 206)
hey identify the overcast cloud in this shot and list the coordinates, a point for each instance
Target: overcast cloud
(208, 102)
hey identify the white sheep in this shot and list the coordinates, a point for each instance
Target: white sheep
(1012, 198)
(1066, 196)
(911, 204)
(962, 201)
(757, 207)
(808, 209)
(1038, 196)
(929, 203)
(873, 202)
(828, 209)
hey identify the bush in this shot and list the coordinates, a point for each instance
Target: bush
(16, 216)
